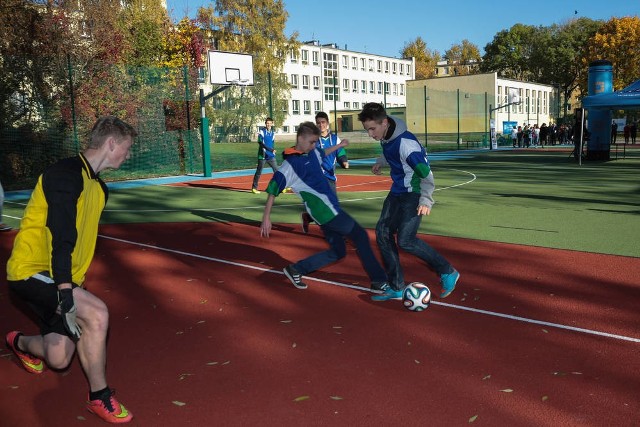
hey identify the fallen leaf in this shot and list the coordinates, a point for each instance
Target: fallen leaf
(507, 390)
(472, 419)
(178, 403)
(81, 418)
(545, 398)
(203, 301)
(486, 377)
(183, 376)
(227, 362)
(201, 321)
(294, 345)
(337, 327)
(576, 373)
(212, 363)
(286, 321)
(300, 398)
(335, 397)
(545, 331)
(417, 361)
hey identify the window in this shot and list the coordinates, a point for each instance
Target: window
(293, 56)
(314, 55)
(294, 81)
(394, 67)
(347, 105)
(330, 74)
(379, 66)
(363, 86)
(285, 129)
(379, 88)
(356, 105)
(285, 107)
(386, 67)
(395, 88)
(354, 86)
(401, 68)
(372, 87)
(295, 106)
(345, 85)
(305, 56)
(544, 105)
(363, 64)
(317, 106)
(401, 89)
(345, 61)
(521, 100)
(307, 107)
(354, 63)
(371, 62)
(305, 82)
(316, 82)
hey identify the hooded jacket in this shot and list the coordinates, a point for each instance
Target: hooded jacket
(407, 158)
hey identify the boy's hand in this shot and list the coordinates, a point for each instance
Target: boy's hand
(68, 312)
(424, 210)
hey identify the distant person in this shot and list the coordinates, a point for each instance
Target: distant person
(514, 137)
(626, 132)
(3, 226)
(614, 131)
(266, 152)
(327, 139)
(51, 255)
(633, 131)
(544, 135)
(301, 171)
(410, 197)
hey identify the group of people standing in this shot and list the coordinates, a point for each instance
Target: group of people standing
(630, 132)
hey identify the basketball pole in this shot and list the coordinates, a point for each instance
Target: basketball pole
(204, 130)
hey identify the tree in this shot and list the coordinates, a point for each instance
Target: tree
(464, 58)
(617, 41)
(255, 27)
(426, 60)
(509, 53)
(145, 24)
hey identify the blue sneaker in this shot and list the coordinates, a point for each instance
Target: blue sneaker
(448, 281)
(387, 293)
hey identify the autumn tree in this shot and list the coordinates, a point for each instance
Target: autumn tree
(426, 60)
(618, 41)
(464, 58)
(255, 27)
(509, 53)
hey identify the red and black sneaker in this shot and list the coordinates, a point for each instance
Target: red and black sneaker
(110, 410)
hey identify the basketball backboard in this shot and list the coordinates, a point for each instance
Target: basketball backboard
(229, 68)
(514, 95)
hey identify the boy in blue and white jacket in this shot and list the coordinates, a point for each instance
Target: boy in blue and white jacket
(302, 172)
(410, 197)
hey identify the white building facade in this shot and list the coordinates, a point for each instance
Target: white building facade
(327, 78)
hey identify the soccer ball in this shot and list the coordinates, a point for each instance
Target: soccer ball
(416, 296)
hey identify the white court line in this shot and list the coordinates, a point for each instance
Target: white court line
(297, 202)
(344, 285)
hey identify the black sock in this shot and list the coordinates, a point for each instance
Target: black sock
(100, 394)
(15, 343)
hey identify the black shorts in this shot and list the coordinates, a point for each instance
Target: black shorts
(41, 294)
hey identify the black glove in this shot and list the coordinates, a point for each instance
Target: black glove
(68, 312)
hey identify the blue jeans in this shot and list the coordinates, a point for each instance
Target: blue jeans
(343, 225)
(271, 162)
(400, 216)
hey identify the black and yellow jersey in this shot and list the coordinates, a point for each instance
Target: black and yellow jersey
(59, 229)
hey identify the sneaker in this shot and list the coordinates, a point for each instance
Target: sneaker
(255, 191)
(379, 286)
(295, 277)
(287, 190)
(387, 293)
(306, 220)
(448, 282)
(110, 410)
(30, 363)
(4, 227)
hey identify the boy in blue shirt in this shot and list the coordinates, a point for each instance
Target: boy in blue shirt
(408, 200)
(302, 171)
(266, 152)
(327, 139)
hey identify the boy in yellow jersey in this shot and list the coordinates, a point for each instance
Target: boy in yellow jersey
(51, 254)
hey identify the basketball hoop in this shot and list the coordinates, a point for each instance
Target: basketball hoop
(242, 83)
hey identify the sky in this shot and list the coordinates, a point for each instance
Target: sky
(385, 27)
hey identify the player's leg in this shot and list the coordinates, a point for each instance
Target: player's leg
(409, 241)
(374, 270)
(256, 176)
(93, 318)
(385, 238)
